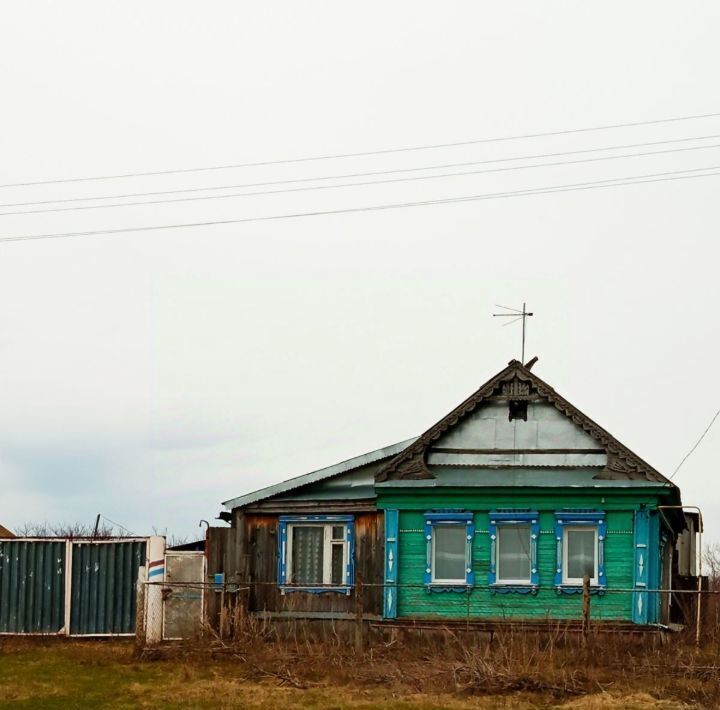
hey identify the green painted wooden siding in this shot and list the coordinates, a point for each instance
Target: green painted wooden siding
(414, 600)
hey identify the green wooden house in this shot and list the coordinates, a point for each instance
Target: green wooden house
(499, 511)
(502, 508)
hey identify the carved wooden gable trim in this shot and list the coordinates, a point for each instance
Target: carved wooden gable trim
(516, 382)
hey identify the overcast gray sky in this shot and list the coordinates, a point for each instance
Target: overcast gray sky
(150, 376)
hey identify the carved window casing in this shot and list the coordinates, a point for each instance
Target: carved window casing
(448, 534)
(512, 528)
(568, 522)
(327, 546)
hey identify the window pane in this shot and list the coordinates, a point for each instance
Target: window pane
(307, 554)
(580, 553)
(338, 557)
(513, 552)
(338, 532)
(449, 552)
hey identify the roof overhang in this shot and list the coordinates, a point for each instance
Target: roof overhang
(321, 474)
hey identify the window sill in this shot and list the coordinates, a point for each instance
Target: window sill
(343, 589)
(572, 588)
(441, 587)
(516, 588)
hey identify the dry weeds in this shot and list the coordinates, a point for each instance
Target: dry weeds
(257, 669)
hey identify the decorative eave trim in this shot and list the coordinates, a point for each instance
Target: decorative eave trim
(396, 467)
(623, 464)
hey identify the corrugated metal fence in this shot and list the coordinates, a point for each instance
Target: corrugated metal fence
(62, 586)
(32, 586)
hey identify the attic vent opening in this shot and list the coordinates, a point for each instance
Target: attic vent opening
(517, 409)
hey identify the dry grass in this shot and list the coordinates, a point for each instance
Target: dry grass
(447, 670)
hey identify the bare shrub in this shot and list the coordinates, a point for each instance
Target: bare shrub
(70, 530)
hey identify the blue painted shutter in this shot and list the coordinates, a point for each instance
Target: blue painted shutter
(641, 567)
(282, 552)
(654, 571)
(350, 569)
(427, 533)
(392, 524)
(469, 535)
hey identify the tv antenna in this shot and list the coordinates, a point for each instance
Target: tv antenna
(516, 315)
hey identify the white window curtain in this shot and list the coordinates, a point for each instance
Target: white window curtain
(581, 554)
(449, 544)
(514, 558)
(307, 554)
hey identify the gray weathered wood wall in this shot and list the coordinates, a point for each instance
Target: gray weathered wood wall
(247, 554)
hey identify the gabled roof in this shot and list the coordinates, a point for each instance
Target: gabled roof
(5, 533)
(319, 475)
(622, 463)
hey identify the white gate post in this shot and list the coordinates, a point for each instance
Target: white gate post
(68, 587)
(153, 597)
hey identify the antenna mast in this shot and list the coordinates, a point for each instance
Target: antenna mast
(516, 315)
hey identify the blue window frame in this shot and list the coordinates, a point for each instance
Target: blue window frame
(580, 550)
(513, 551)
(448, 562)
(316, 553)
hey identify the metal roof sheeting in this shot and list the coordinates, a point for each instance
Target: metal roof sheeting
(319, 475)
(537, 477)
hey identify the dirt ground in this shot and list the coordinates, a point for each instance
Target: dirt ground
(57, 673)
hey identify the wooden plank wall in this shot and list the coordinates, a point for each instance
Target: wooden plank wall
(247, 555)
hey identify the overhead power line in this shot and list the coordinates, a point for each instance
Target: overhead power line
(122, 527)
(373, 173)
(354, 184)
(697, 443)
(614, 182)
(385, 151)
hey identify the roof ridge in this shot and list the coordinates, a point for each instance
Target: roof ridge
(411, 462)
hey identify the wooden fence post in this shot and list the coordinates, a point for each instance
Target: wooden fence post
(359, 627)
(586, 608)
(140, 616)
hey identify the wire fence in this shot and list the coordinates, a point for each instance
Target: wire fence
(172, 611)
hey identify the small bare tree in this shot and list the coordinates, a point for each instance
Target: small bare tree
(711, 568)
(711, 565)
(71, 530)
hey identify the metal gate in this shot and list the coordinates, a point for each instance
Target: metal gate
(182, 594)
(103, 589)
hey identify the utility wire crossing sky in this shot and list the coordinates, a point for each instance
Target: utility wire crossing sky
(278, 300)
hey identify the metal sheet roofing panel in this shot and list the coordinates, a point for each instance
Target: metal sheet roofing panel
(469, 477)
(522, 459)
(319, 475)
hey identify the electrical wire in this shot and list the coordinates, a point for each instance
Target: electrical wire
(356, 175)
(697, 443)
(365, 153)
(122, 527)
(356, 184)
(614, 182)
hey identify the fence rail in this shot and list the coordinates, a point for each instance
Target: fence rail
(186, 610)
